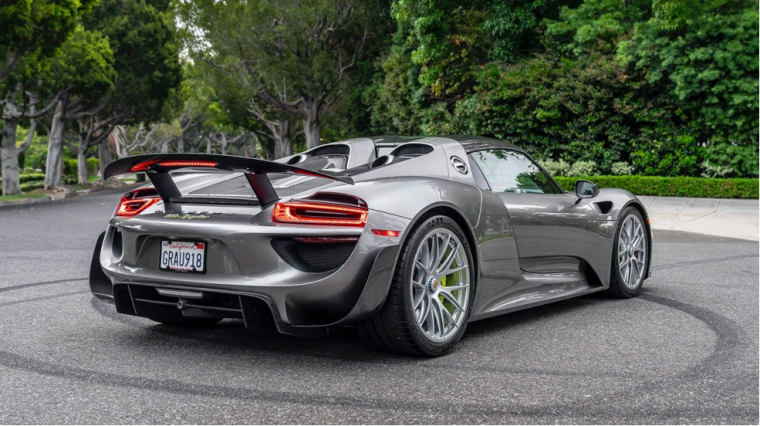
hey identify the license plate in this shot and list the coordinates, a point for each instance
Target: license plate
(183, 256)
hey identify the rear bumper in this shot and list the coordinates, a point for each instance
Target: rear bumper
(300, 303)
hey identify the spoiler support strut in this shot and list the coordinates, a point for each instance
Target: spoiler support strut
(263, 188)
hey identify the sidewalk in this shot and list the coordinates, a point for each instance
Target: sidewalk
(712, 216)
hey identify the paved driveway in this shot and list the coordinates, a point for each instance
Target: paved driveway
(686, 351)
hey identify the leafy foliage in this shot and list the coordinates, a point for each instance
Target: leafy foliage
(667, 88)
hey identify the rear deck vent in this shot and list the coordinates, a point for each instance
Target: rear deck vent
(412, 150)
(297, 159)
(381, 161)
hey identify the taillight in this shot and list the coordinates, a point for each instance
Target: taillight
(136, 201)
(309, 213)
(147, 165)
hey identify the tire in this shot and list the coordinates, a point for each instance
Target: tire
(396, 328)
(627, 250)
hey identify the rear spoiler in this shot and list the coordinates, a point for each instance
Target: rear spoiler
(158, 166)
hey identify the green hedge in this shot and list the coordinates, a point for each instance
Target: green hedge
(70, 166)
(672, 186)
(28, 177)
(31, 186)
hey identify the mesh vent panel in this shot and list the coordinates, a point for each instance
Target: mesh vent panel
(324, 257)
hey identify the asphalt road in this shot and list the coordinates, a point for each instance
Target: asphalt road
(686, 351)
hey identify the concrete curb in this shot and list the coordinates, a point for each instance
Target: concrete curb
(39, 200)
(61, 196)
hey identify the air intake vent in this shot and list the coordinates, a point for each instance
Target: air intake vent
(313, 256)
(412, 150)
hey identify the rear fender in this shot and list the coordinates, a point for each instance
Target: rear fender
(100, 284)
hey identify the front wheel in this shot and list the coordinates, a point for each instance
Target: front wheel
(430, 299)
(630, 256)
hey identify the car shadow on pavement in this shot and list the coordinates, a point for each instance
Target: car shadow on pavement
(341, 344)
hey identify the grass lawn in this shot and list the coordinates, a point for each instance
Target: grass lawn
(92, 178)
(21, 196)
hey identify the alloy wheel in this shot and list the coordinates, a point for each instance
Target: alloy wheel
(440, 287)
(632, 251)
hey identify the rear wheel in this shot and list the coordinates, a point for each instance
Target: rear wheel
(430, 299)
(630, 256)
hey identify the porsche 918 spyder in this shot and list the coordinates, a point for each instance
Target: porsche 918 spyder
(405, 239)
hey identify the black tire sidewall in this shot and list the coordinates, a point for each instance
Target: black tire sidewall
(428, 346)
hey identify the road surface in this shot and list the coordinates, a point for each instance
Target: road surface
(686, 351)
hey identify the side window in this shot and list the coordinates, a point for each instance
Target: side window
(511, 171)
(477, 174)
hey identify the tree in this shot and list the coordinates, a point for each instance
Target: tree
(33, 30)
(36, 27)
(147, 69)
(84, 69)
(18, 104)
(705, 55)
(292, 55)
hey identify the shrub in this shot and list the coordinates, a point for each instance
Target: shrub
(555, 168)
(622, 168)
(29, 177)
(70, 167)
(582, 168)
(31, 186)
(673, 186)
(93, 165)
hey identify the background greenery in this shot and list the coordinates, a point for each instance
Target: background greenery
(667, 86)
(623, 90)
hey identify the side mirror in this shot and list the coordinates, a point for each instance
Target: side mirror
(586, 189)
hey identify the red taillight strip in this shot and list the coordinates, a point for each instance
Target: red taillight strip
(129, 208)
(197, 163)
(146, 165)
(319, 214)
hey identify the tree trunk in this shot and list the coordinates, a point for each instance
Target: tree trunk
(223, 144)
(9, 155)
(104, 155)
(54, 163)
(311, 127)
(283, 146)
(209, 149)
(181, 144)
(83, 175)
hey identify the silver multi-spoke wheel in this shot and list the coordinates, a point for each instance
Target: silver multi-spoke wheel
(632, 251)
(440, 287)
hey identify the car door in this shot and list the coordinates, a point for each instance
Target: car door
(552, 228)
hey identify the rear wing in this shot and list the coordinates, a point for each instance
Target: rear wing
(158, 166)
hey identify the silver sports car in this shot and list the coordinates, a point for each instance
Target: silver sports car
(406, 239)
